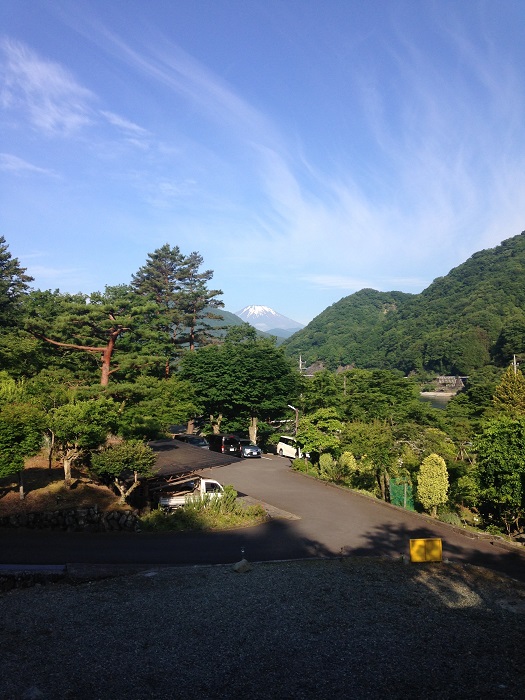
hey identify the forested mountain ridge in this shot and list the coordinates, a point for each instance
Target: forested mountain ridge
(465, 320)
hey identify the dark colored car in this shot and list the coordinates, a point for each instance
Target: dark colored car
(227, 444)
(194, 440)
(249, 449)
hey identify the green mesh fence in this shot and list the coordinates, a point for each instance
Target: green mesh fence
(401, 494)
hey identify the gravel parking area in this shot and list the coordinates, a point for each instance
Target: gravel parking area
(352, 628)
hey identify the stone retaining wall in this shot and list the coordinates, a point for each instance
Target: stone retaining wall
(76, 520)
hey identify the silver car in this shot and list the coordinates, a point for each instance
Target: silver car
(249, 449)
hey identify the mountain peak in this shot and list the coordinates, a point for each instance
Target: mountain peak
(266, 319)
(255, 311)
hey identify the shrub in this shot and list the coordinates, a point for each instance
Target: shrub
(449, 516)
(300, 465)
(432, 483)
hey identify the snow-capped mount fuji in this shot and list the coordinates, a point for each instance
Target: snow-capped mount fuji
(269, 321)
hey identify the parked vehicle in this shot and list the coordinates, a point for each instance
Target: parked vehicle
(179, 494)
(249, 449)
(288, 447)
(195, 440)
(227, 444)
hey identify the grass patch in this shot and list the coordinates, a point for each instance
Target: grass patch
(208, 513)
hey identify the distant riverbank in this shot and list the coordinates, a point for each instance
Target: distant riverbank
(437, 399)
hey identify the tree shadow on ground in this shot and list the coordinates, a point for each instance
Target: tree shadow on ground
(394, 540)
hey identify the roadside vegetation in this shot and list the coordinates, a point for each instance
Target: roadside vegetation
(87, 381)
(206, 513)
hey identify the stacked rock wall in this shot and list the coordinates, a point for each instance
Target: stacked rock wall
(76, 520)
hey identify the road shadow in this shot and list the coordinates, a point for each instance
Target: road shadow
(393, 541)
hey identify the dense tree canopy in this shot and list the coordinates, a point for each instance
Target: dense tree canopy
(500, 451)
(251, 378)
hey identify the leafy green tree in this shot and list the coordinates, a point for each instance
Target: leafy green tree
(148, 406)
(53, 387)
(80, 428)
(509, 395)
(432, 483)
(337, 470)
(126, 462)
(321, 391)
(373, 445)
(251, 378)
(209, 372)
(243, 333)
(465, 489)
(415, 442)
(511, 340)
(378, 395)
(320, 432)
(21, 435)
(16, 350)
(20, 353)
(500, 449)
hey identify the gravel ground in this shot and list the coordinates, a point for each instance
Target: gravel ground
(349, 628)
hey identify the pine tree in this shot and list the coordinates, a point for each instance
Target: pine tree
(509, 395)
(13, 284)
(181, 297)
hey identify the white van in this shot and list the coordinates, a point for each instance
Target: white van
(192, 488)
(288, 447)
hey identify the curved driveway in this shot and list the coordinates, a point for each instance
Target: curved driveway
(317, 520)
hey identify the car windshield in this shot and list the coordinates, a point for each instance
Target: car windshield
(244, 443)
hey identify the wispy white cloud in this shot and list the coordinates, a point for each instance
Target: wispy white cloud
(168, 64)
(438, 172)
(18, 166)
(43, 90)
(124, 124)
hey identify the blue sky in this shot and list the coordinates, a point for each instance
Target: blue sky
(306, 149)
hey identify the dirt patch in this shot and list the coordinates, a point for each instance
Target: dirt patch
(45, 490)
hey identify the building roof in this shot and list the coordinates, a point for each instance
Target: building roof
(174, 458)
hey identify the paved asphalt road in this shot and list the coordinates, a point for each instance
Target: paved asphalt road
(316, 520)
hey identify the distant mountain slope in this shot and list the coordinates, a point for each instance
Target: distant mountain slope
(229, 319)
(473, 316)
(349, 331)
(266, 319)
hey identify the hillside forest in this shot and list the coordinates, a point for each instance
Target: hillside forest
(90, 379)
(469, 319)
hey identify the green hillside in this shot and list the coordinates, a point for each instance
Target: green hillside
(472, 317)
